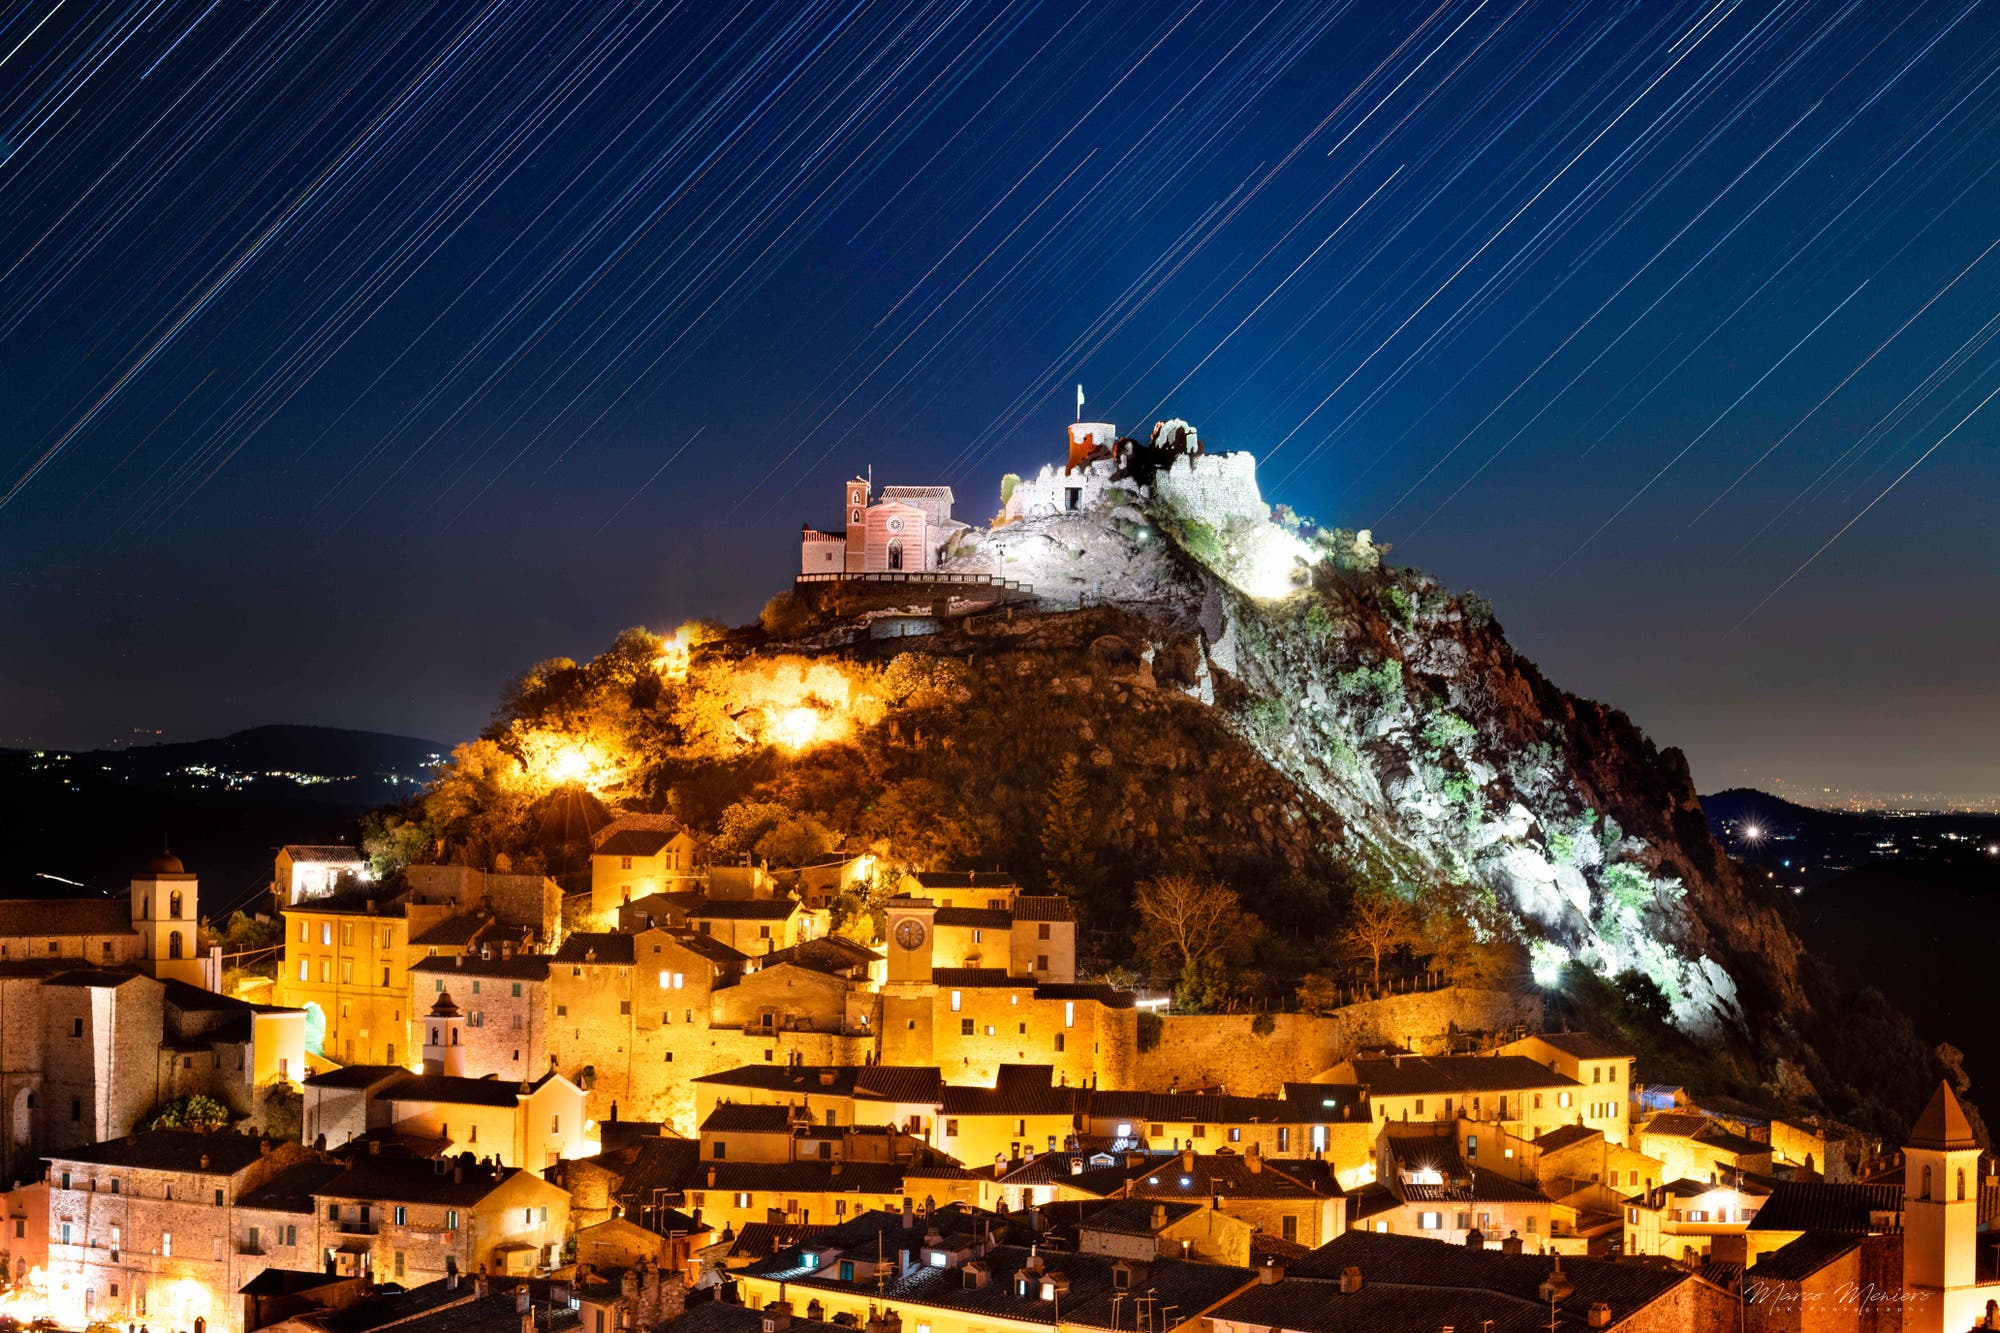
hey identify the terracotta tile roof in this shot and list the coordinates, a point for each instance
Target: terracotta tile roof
(66, 916)
(1418, 1076)
(221, 1154)
(453, 1090)
(1814, 1205)
(1583, 1046)
(1228, 1174)
(1566, 1136)
(1108, 996)
(1189, 1108)
(973, 978)
(915, 1084)
(337, 853)
(963, 879)
(291, 1190)
(1412, 1261)
(748, 1118)
(989, 917)
(1136, 1217)
(1093, 1300)
(1799, 1259)
(634, 842)
(521, 967)
(1676, 1124)
(743, 909)
(355, 1076)
(395, 1180)
(606, 948)
(453, 931)
(1043, 907)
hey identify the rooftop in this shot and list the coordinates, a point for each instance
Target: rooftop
(1418, 1075)
(182, 1150)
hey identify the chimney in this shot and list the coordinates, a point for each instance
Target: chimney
(204, 1161)
(479, 1287)
(1599, 1315)
(522, 1299)
(909, 1213)
(1187, 1157)
(1159, 1217)
(374, 1147)
(1475, 1239)
(778, 1316)
(1350, 1280)
(1272, 1272)
(1253, 1160)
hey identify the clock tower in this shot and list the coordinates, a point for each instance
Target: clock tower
(910, 929)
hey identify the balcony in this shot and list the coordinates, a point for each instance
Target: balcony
(359, 1226)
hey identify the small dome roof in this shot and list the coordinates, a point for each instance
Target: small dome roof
(166, 863)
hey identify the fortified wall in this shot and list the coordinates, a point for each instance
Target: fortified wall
(1223, 1050)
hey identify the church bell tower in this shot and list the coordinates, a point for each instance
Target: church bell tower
(1940, 1217)
(165, 916)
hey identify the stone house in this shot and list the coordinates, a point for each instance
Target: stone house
(903, 1096)
(1809, 1285)
(751, 926)
(1690, 1146)
(1523, 1096)
(1025, 1110)
(504, 996)
(1691, 1220)
(314, 871)
(641, 1296)
(525, 1124)
(1148, 1229)
(1295, 1200)
(792, 994)
(1424, 1187)
(1580, 1153)
(633, 859)
(339, 1104)
(412, 1222)
(1602, 1067)
(145, 1228)
(733, 1193)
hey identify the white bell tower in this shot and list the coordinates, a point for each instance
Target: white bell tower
(1940, 1217)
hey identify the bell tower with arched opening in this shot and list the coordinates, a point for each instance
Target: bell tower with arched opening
(444, 1035)
(166, 916)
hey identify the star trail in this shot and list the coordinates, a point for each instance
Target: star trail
(353, 356)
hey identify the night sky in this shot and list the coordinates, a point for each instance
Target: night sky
(354, 356)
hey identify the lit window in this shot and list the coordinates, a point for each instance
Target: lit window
(957, 1001)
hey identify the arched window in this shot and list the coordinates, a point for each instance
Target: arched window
(174, 944)
(174, 905)
(1961, 1184)
(896, 554)
(434, 1036)
(454, 1036)
(1925, 1193)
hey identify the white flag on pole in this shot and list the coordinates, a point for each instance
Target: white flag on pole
(1079, 402)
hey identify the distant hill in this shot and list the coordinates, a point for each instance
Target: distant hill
(1907, 904)
(224, 805)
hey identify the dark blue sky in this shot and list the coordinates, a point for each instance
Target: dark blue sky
(353, 356)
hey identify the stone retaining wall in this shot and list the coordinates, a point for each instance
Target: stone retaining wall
(1211, 1050)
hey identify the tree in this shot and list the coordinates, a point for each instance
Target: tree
(194, 1111)
(1194, 930)
(1069, 848)
(390, 842)
(1378, 922)
(796, 840)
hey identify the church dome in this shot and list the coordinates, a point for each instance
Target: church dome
(166, 863)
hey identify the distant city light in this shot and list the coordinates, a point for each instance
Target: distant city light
(1753, 832)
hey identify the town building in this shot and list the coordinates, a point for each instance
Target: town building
(412, 1222)
(636, 857)
(1602, 1067)
(942, 1272)
(1520, 1094)
(150, 1228)
(304, 872)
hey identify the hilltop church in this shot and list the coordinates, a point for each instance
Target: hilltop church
(903, 530)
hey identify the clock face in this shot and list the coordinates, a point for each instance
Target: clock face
(910, 933)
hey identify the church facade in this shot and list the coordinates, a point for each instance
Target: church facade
(901, 530)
